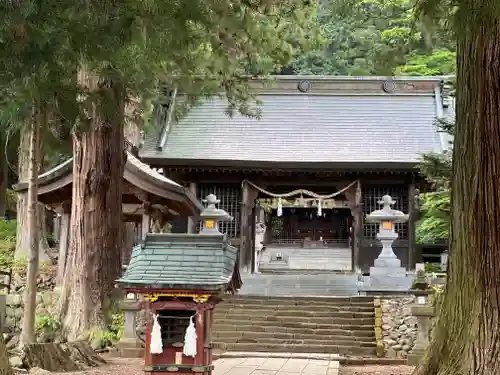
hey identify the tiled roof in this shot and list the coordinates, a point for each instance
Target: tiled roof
(180, 261)
(342, 127)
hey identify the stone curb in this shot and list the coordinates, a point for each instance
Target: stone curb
(349, 361)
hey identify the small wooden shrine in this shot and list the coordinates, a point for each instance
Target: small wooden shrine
(180, 278)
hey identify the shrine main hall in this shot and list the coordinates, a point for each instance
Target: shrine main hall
(300, 178)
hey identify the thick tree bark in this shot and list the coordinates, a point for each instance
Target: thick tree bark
(28, 328)
(466, 340)
(93, 262)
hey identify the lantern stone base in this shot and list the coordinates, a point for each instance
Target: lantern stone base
(392, 262)
(390, 278)
(129, 349)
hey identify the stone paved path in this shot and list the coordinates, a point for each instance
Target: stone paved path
(275, 366)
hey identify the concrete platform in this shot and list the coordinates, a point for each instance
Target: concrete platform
(326, 284)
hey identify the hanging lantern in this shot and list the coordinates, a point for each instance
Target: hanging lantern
(280, 208)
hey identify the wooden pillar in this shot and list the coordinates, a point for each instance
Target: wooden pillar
(146, 221)
(65, 211)
(412, 252)
(357, 227)
(191, 226)
(245, 262)
(353, 195)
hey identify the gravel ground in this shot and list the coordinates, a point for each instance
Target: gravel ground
(121, 366)
(376, 370)
(128, 366)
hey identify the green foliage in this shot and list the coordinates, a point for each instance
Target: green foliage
(116, 326)
(109, 337)
(7, 243)
(47, 328)
(435, 207)
(376, 37)
(136, 48)
(435, 63)
(432, 267)
(435, 222)
(436, 167)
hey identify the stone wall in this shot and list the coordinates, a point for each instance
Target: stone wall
(46, 278)
(46, 298)
(399, 327)
(46, 301)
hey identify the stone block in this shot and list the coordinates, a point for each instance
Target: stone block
(389, 278)
(387, 262)
(414, 358)
(388, 271)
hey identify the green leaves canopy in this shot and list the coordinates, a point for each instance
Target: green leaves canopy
(377, 37)
(201, 46)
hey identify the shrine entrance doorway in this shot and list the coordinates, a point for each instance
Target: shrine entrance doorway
(305, 228)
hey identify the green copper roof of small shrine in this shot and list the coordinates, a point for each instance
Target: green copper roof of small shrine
(189, 261)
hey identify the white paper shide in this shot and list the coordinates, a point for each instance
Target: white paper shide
(190, 339)
(156, 344)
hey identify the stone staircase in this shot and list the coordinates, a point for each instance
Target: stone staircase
(336, 325)
(305, 259)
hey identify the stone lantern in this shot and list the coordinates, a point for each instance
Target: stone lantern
(423, 311)
(387, 273)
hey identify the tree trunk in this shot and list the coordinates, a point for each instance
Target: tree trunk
(466, 340)
(28, 327)
(93, 262)
(5, 368)
(22, 235)
(4, 176)
(22, 232)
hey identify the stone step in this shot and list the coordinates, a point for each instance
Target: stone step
(237, 336)
(284, 314)
(297, 348)
(312, 342)
(299, 328)
(298, 321)
(304, 328)
(311, 309)
(337, 325)
(299, 301)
